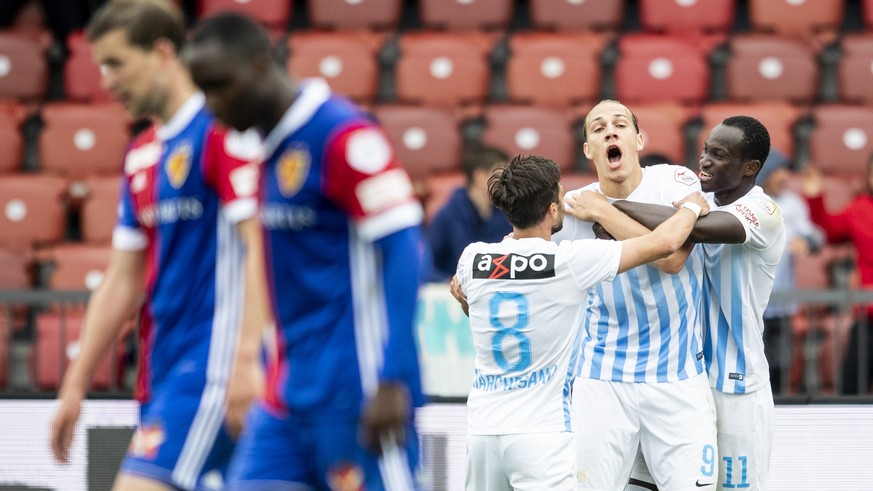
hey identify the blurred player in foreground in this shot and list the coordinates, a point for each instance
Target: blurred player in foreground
(342, 246)
(187, 202)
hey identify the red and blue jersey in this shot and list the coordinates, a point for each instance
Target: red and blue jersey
(341, 227)
(186, 185)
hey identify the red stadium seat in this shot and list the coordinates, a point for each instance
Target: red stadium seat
(445, 69)
(655, 68)
(779, 117)
(532, 130)
(575, 15)
(81, 74)
(98, 212)
(572, 181)
(867, 6)
(763, 67)
(11, 141)
(347, 60)
(57, 345)
(465, 14)
(82, 139)
(681, 16)
(78, 266)
(662, 126)
(23, 67)
(856, 69)
(273, 14)
(842, 139)
(554, 68)
(439, 189)
(31, 209)
(15, 265)
(427, 140)
(356, 14)
(796, 18)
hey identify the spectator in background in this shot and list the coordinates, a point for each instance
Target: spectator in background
(803, 238)
(854, 223)
(468, 216)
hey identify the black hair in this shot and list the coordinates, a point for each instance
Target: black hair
(479, 156)
(524, 188)
(756, 138)
(238, 35)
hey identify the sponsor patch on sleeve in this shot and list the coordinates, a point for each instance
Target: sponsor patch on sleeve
(747, 214)
(684, 176)
(368, 151)
(383, 191)
(244, 145)
(767, 205)
(244, 180)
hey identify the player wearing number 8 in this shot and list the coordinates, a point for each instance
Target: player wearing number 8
(522, 298)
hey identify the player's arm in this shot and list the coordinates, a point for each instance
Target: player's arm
(836, 226)
(232, 162)
(666, 238)
(717, 227)
(111, 305)
(593, 207)
(247, 379)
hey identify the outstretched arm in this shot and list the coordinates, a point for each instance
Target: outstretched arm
(715, 228)
(593, 207)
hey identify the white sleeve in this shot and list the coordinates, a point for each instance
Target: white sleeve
(464, 273)
(761, 217)
(591, 260)
(676, 182)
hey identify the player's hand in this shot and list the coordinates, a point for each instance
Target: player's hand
(69, 407)
(697, 199)
(812, 182)
(246, 384)
(583, 205)
(385, 417)
(455, 288)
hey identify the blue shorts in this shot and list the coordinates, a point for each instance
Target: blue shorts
(182, 440)
(281, 452)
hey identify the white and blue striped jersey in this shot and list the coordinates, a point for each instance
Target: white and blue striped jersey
(524, 308)
(644, 326)
(737, 282)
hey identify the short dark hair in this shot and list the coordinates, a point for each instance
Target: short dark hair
(524, 188)
(237, 34)
(756, 138)
(143, 22)
(479, 156)
(585, 120)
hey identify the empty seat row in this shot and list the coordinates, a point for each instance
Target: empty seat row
(429, 140)
(786, 16)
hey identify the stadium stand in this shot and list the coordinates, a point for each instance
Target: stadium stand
(662, 125)
(855, 72)
(767, 67)
(23, 67)
(346, 59)
(98, 211)
(683, 16)
(382, 15)
(444, 68)
(531, 130)
(842, 139)
(77, 266)
(57, 345)
(466, 15)
(273, 14)
(554, 68)
(795, 18)
(81, 75)
(31, 210)
(605, 15)
(11, 140)
(656, 68)
(78, 140)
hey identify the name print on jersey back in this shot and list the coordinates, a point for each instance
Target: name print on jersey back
(514, 266)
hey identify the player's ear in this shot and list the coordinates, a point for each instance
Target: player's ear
(751, 167)
(585, 150)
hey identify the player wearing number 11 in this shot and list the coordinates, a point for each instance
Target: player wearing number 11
(522, 298)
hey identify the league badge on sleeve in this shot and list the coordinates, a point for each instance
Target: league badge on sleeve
(179, 165)
(684, 176)
(291, 171)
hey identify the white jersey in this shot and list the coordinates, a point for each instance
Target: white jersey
(523, 297)
(644, 326)
(738, 279)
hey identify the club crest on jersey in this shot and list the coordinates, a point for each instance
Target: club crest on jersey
(291, 171)
(513, 266)
(146, 441)
(346, 477)
(179, 165)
